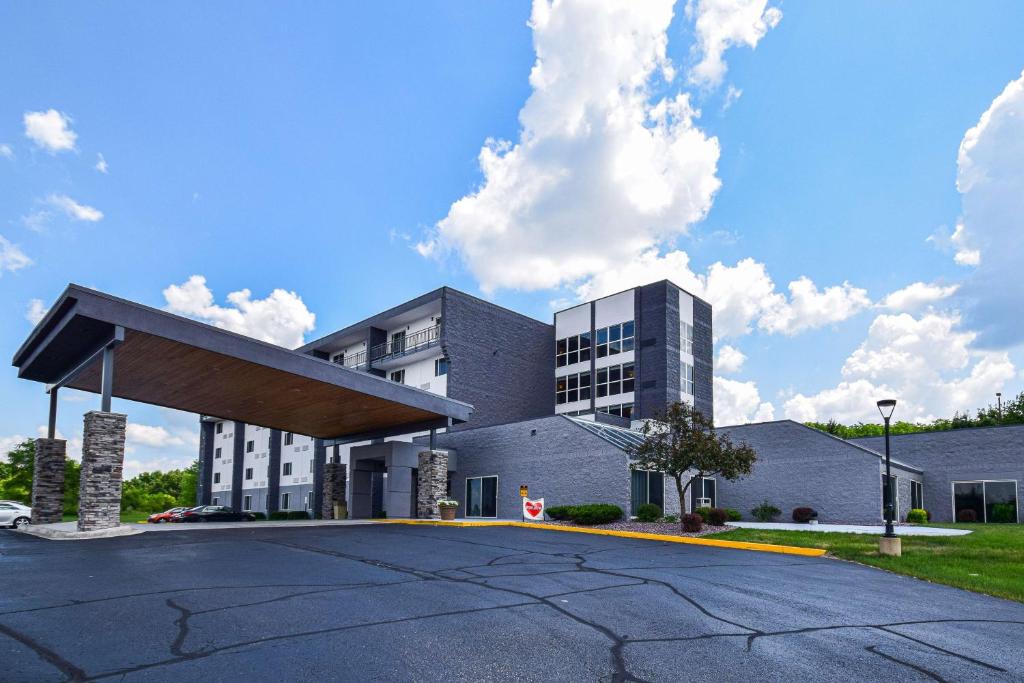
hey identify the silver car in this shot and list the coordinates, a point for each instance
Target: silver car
(14, 515)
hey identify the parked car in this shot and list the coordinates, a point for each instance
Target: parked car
(14, 514)
(213, 513)
(160, 517)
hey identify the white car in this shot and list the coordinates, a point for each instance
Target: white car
(14, 514)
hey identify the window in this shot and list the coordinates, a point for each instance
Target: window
(216, 501)
(891, 492)
(309, 500)
(686, 338)
(247, 502)
(398, 376)
(615, 380)
(216, 477)
(338, 358)
(615, 339)
(916, 495)
(310, 465)
(686, 378)
(702, 493)
(647, 487)
(289, 438)
(286, 469)
(572, 388)
(250, 446)
(248, 473)
(398, 342)
(216, 453)
(440, 367)
(574, 349)
(220, 427)
(620, 409)
(992, 501)
(482, 497)
(285, 500)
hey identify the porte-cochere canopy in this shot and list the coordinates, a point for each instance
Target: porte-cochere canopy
(174, 362)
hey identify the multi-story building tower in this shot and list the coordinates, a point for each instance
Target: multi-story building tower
(618, 358)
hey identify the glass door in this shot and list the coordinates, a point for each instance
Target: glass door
(482, 497)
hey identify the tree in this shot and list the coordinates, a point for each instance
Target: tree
(16, 473)
(683, 443)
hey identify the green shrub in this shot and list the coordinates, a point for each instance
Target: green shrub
(648, 512)
(278, 515)
(560, 512)
(692, 522)
(670, 518)
(596, 513)
(733, 515)
(765, 512)
(297, 514)
(1003, 513)
(716, 517)
(917, 516)
(705, 514)
(259, 516)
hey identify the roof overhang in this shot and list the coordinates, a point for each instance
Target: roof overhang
(174, 362)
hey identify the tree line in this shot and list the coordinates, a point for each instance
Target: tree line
(1012, 412)
(146, 492)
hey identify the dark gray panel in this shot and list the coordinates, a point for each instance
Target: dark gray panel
(238, 466)
(204, 482)
(274, 470)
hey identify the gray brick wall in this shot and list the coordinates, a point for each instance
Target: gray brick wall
(237, 469)
(657, 347)
(204, 482)
(983, 453)
(799, 466)
(502, 363)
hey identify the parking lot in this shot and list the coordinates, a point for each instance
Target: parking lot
(426, 603)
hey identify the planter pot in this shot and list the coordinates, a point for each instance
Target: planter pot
(448, 513)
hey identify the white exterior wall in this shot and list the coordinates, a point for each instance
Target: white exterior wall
(569, 323)
(685, 316)
(415, 326)
(300, 455)
(420, 374)
(225, 441)
(259, 459)
(618, 308)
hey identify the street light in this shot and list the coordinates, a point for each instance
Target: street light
(886, 407)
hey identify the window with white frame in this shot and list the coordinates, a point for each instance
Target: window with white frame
(916, 495)
(250, 446)
(286, 469)
(248, 474)
(615, 339)
(686, 378)
(398, 376)
(571, 388)
(247, 502)
(286, 499)
(220, 427)
(573, 349)
(620, 409)
(440, 367)
(615, 380)
(216, 453)
(686, 337)
(289, 438)
(309, 500)
(216, 477)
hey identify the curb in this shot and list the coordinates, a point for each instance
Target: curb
(688, 540)
(59, 535)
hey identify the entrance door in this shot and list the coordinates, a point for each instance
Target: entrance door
(482, 497)
(703, 494)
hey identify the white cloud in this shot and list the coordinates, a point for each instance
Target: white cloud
(732, 96)
(8, 444)
(722, 24)
(11, 257)
(35, 311)
(282, 318)
(151, 436)
(73, 448)
(101, 164)
(808, 308)
(6, 152)
(990, 233)
(916, 295)
(79, 212)
(927, 363)
(601, 171)
(730, 359)
(739, 402)
(958, 243)
(50, 130)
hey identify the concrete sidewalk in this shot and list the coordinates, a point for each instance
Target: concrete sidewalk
(852, 528)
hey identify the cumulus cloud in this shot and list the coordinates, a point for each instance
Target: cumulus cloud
(12, 258)
(722, 24)
(6, 152)
(151, 436)
(809, 308)
(282, 318)
(101, 164)
(8, 444)
(50, 130)
(916, 296)
(739, 402)
(601, 170)
(928, 363)
(990, 233)
(730, 359)
(35, 311)
(74, 210)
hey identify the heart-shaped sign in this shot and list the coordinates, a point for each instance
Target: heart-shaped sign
(533, 509)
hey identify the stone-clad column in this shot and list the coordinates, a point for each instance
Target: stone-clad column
(432, 483)
(99, 495)
(334, 488)
(48, 481)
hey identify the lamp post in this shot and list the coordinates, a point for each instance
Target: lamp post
(890, 544)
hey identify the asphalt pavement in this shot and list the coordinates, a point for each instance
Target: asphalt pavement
(418, 603)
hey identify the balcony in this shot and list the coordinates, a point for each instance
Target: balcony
(355, 361)
(404, 349)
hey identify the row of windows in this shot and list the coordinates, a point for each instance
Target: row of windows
(286, 471)
(572, 388)
(620, 409)
(611, 381)
(574, 349)
(611, 340)
(440, 368)
(686, 338)
(286, 500)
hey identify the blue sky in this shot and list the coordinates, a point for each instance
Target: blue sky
(323, 151)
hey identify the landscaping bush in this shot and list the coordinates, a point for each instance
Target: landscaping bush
(596, 513)
(705, 514)
(803, 515)
(1003, 513)
(917, 516)
(733, 515)
(297, 514)
(648, 512)
(259, 516)
(560, 512)
(966, 516)
(765, 512)
(278, 515)
(671, 519)
(717, 517)
(692, 522)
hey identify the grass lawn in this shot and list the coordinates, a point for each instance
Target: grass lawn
(990, 560)
(126, 517)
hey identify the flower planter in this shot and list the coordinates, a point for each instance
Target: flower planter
(448, 513)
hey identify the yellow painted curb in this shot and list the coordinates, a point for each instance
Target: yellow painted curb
(689, 540)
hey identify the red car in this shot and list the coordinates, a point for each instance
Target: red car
(165, 516)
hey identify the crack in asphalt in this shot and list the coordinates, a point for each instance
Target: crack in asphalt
(72, 672)
(873, 649)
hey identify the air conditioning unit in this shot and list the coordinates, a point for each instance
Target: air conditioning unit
(703, 502)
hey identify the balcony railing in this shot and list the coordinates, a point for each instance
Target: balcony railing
(403, 346)
(355, 360)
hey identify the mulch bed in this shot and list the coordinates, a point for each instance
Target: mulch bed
(667, 528)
